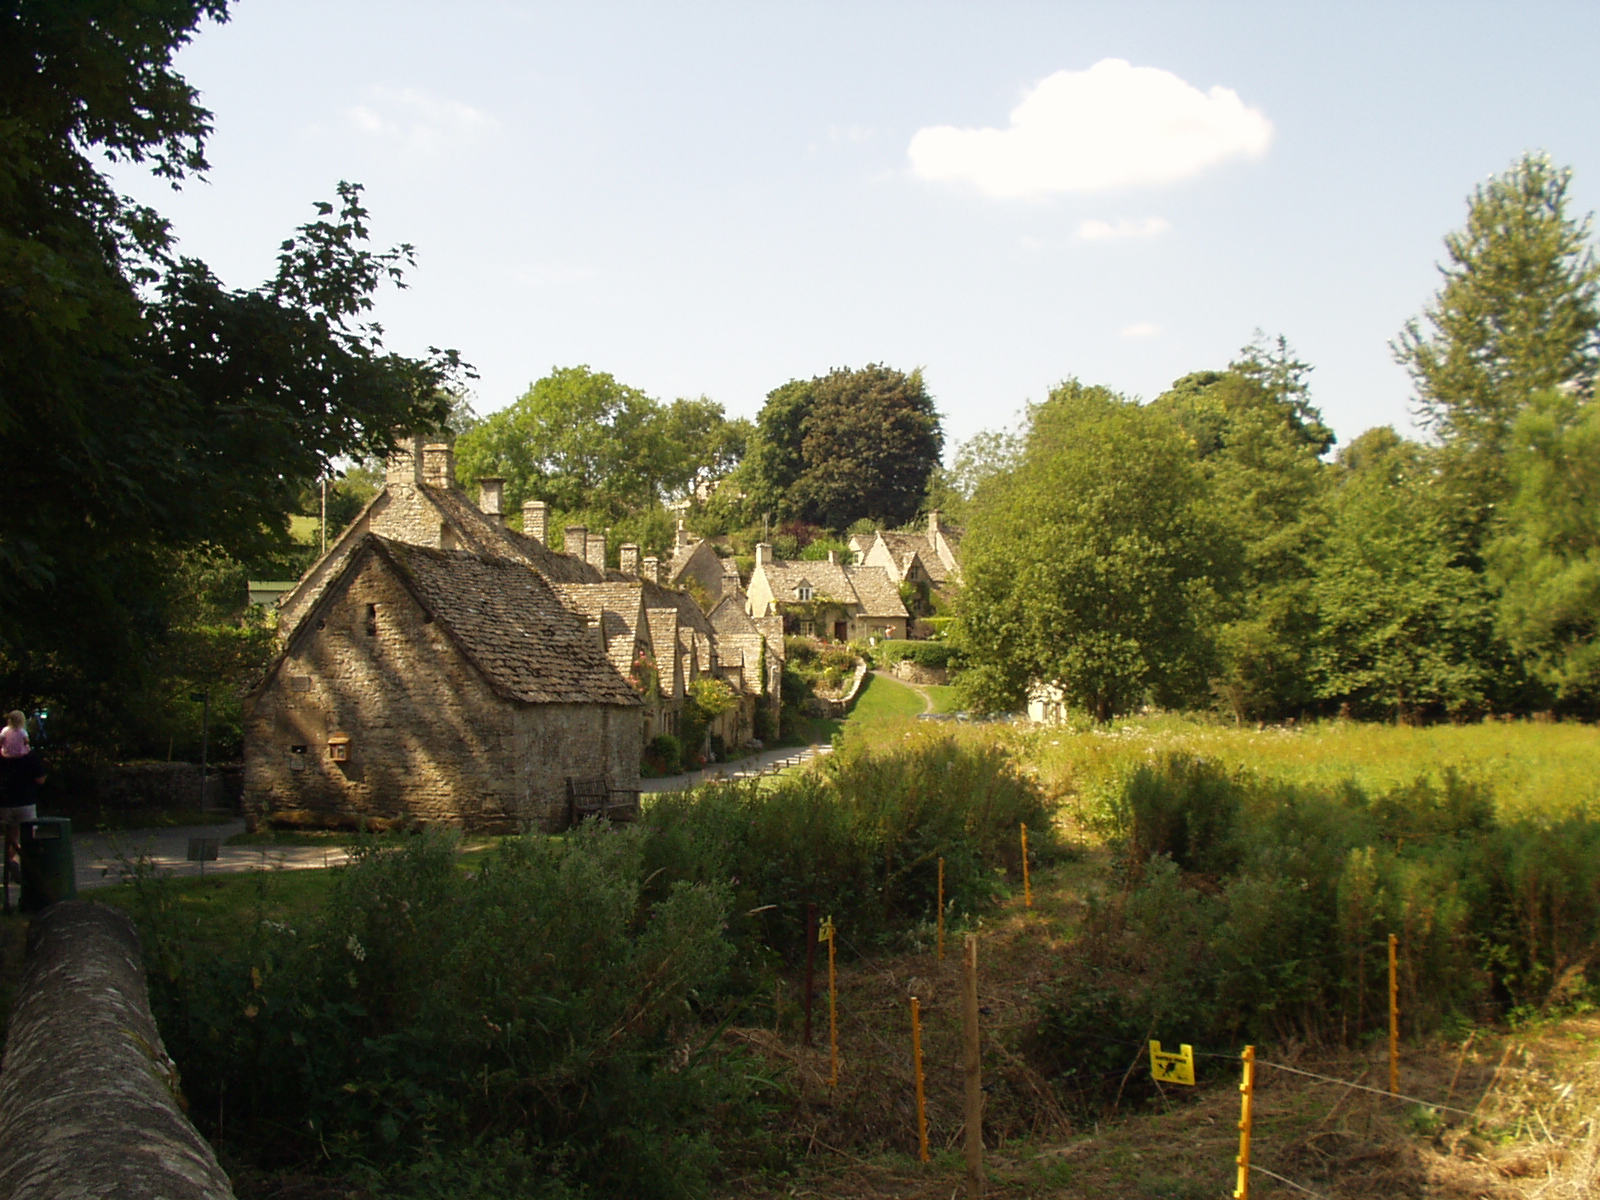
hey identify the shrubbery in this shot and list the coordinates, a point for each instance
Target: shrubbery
(1255, 909)
(862, 838)
(538, 1017)
(924, 654)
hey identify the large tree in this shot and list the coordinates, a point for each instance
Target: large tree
(1259, 439)
(143, 404)
(1518, 313)
(583, 441)
(844, 446)
(1405, 623)
(1091, 567)
(1546, 556)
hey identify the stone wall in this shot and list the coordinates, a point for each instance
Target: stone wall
(429, 739)
(917, 673)
(89, 1100)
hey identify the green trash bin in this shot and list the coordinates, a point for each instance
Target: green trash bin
(48, 874)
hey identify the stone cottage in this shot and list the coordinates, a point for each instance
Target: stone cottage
(441, 685)
(826, 598)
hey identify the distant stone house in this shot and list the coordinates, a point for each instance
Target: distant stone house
(826, 598)
(930, 557)
(629, 611)
(698, 560)
(751, 651)
(446, 686)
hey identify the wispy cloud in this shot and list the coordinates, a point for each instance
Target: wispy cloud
(1111, 126)
(1123, 228)
(417, 121)
(1144, 329)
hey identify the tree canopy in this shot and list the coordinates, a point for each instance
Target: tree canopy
(845, 446)
(1090, 567)
(144, 405)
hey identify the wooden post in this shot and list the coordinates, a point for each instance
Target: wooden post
(1247, 1091)
(1394, 1014)
(833, 1013)
(973, 1064)
(811, 964)
(1027, 885)
(916, 1069)
(941, 910)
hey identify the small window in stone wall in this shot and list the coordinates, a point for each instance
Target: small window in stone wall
(372, 620)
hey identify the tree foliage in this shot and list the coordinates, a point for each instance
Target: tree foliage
(1091, 567)
(1518, 314)
(144, 406)
(845, 446)
(584, 442)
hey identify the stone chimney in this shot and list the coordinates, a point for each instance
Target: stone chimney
(652, 568)
(439, 464)
(763, 553)
(681, 537)
(933, 526)
(491, 496)
(597, 551)
(577, 540)
(630, 558)
(536, 521)
(833, 557)
(405, 464)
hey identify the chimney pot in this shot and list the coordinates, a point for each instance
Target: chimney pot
(763, 553)
(597, 551)
(833, 557)
(491, 498)
(439, 464)
(629, 558)
(536, 520)
(652, 568)
(681, 536)
(576, 538)
(405, 464)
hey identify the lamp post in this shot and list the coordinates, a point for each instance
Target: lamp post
(203, 698)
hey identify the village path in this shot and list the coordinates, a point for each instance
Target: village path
(97, 857)
(768, 762)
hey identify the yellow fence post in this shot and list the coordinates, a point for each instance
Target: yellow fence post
(1027, 885)
(833, 1013)
(1394, 1014)
(916, 1068)
(1247, 1092)
(941, 910)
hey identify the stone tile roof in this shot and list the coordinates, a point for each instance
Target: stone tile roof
(490, 537)
(869, 587)
(664, 649)
(509, 624)
(879, 595)
(619, 607)
(904, 545)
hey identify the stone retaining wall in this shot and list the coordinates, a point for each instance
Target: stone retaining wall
(168, 785)
(89, 1100)
(917, 673)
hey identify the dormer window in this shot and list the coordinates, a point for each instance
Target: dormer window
(805, 591)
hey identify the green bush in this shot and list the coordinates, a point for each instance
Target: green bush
(862, 837)
(664, 754)
(540, 1009)
(924, 654)
(1255, 909)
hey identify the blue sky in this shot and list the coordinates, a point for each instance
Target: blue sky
(716, 198)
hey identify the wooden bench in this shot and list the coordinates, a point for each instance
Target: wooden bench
(595, 797)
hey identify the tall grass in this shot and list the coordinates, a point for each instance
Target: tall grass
(1252, 908)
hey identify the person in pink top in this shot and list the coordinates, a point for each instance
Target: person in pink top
(14, 738)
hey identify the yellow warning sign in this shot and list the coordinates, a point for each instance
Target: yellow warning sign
(1172, 1068)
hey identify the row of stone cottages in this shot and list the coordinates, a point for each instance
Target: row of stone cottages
(438, 665)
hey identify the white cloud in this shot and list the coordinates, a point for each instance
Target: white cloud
(1124, 227)
(418, 121)
(1143, 329)
(1112, 126)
